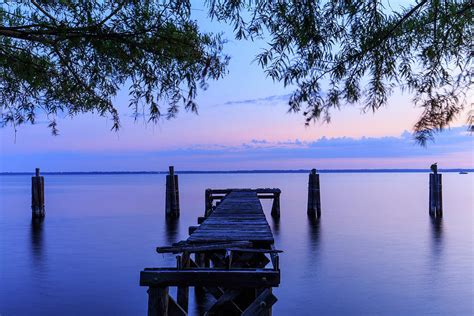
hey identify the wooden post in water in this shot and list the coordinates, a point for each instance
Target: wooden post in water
(37, 195)
(436, 193)
(157, 301)
(314, 195)
(276, 205)
(172, 194)
(208, 202)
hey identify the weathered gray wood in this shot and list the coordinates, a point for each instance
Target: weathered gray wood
(37, 195)
(193, 248)
(275, 259)
(262, 304)
(183, 291)
(258, 190)
(207, 202)
(276, 205)
(314, 195)
(172, 194)
(239, 217)
(191, 229)
(236, 278)
(157, 301)
(174, 309)
(235, 236)
(254, 250)
(436, 195)
(225, 301)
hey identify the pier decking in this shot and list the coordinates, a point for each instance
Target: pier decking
(230, 250)
(239, 217)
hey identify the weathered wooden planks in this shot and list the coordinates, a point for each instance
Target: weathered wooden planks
(239, 217)
(192, 248)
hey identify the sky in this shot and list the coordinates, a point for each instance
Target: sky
(243, 123)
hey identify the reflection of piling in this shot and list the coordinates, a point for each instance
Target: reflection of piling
(37, 195)
(436, 194)
(172, 194)
(314, 195)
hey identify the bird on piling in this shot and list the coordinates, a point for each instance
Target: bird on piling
(434, 167)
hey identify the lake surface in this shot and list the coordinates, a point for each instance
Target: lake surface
(375, 249)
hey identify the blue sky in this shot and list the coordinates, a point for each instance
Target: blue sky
(243, 123)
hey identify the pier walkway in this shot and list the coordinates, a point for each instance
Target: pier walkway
(230, 256)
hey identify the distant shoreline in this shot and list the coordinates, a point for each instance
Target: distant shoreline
(238, 171)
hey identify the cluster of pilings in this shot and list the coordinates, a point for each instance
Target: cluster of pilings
(172, 209)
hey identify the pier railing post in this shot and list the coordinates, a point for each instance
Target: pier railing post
(436, 193)
(314, 195)
(172, 194)
(208, 202)
(37, 195)
(276, 205)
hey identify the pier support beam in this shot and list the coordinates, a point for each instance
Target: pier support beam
(157, 301)
(37, 195)
(436, 193)
(314, 195)
(172, 194)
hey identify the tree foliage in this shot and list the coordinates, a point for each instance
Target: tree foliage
(73, 56)
(357, 51)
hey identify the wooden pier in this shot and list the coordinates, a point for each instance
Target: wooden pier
(234, 259)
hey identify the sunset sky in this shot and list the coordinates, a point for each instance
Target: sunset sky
(243, 123)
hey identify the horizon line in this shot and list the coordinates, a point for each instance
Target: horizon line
(362, 170)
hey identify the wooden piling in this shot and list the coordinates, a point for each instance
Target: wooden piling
(314, 195)
(157, 301)
(183, 291)
(276, 205)
(207, 202)
(37, 195)
(172, 194)
(436, 195)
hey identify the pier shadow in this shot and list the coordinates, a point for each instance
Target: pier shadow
(36, 234)
(171, 230)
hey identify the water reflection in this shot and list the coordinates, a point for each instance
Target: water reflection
(37, 238)
(171, 230)
(314, 232)
(436, 236)
(276, 226)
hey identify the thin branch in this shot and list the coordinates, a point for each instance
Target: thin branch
(43, 11)
(114, 12)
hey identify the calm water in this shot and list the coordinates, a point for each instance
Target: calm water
(374, 251)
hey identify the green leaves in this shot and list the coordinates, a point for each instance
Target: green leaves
(345, 52)
(64, 57)
(73, 56)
